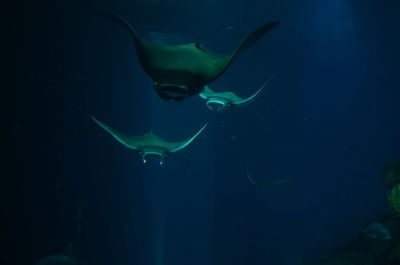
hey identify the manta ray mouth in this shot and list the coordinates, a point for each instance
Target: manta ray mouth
(153, 153)
(217, 104)
(170, 91)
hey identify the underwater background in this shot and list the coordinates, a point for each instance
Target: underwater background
(329, 121)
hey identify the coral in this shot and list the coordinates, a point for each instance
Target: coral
(364, 250)
(390, 174)
(393, 197)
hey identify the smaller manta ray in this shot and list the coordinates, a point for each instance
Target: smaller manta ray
(66, 257)
(179, 71)
(148, 144)
(59, 259)
(219, 101)
(268, 184)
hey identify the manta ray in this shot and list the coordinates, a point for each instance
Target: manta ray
(59, 259)
(148, 144)
(267, 184)
(66, 257)
(224, 100)
(179, 71)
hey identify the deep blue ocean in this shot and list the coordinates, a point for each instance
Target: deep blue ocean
(328, 121)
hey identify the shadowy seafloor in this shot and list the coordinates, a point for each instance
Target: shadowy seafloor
(379, 242)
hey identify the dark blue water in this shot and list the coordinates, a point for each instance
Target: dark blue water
(329, 120)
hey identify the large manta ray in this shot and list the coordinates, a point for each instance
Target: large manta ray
(148, 144)
(179, 71)
(220, 101)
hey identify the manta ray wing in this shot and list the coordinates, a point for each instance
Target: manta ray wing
(185, 68)
(250, 99)
(173, 147)
(252, 181)
(207, 93)
(129, 141)
(248, 41)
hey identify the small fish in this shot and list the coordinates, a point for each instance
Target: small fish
(377, 231)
